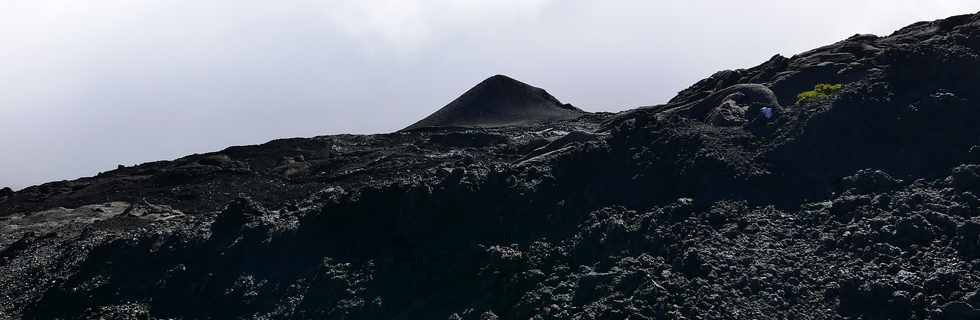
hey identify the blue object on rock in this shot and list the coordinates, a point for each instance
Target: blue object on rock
(767, 112)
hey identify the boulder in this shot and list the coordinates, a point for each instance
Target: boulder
(869, 181)
(748, 94)
(729, 113)
(965, 176)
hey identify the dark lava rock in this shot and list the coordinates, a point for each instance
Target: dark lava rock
(870, 181)
(960, 310)
(239, 212)
(966, 176)
(468, 139)
(974, 155)
(499, 101)
(694, 209)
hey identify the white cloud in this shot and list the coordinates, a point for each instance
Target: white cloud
(411, 25)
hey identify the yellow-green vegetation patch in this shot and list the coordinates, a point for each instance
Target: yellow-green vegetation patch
(819, 91)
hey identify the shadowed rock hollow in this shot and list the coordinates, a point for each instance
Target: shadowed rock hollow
(500, 101)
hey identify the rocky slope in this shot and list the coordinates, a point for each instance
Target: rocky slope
(863, 204)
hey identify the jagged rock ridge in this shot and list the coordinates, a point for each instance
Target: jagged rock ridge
(499, 101)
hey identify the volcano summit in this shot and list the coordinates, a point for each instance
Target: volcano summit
(500, 101)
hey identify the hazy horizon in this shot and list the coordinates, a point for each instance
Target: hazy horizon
(93, 85)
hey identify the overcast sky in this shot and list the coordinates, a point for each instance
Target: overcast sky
(88, 85)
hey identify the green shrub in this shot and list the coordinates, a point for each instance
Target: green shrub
(819, 91)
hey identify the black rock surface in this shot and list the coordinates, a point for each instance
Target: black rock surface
(864, 204)
(499, 101)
